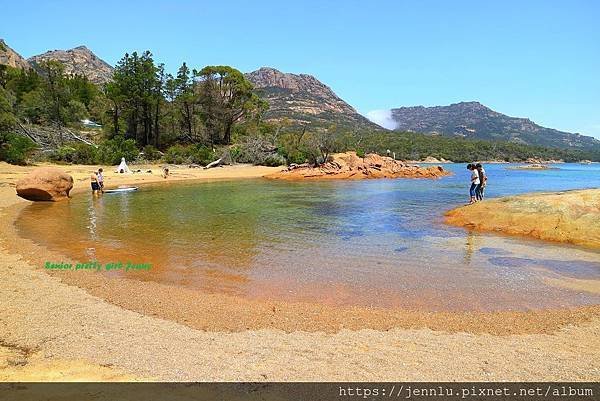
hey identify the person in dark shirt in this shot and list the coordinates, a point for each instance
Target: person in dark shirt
(479, 191)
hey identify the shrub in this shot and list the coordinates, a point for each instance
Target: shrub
(112, 150)
(235, 153)
(198, 154)
(298, 155)
(85, 154)
(177, 154)
(202, 155)
(15, 149)
(151, 153)
(274, 160)
(77, 153)
(62, 154)
(254, 150)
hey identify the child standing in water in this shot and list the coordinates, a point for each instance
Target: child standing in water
(100, 178)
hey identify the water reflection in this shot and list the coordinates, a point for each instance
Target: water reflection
(377, 243)
(472, 244)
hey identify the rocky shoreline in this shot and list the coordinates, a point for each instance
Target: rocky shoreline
(571, 217)
(535, 166)
(350, 166)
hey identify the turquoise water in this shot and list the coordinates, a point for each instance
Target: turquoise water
(371, 243)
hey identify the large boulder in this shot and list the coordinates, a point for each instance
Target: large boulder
(45, 184)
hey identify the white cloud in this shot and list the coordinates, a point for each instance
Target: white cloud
(383, 118)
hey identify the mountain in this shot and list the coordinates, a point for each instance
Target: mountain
(474, 120)
(81, 61)
(10, 57)
(303, 99)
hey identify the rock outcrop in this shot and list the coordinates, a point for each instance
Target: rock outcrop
(45, 184)
(303, 99)
(81, 61)
(571, 216)
(532, 167)
(432, 160)
(350, 166)
(10, 57)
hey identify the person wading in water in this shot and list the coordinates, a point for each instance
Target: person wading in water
(100, 178)
(95, 185)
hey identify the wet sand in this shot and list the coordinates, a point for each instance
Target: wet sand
(128, 329)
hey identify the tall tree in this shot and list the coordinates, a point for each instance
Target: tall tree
(55, 90)
(137, 92)
(186, 100)
(226, 97)
(158, 100)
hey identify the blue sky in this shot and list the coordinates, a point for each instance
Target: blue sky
(535, 59)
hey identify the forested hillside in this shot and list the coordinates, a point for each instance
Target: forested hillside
(197, 115)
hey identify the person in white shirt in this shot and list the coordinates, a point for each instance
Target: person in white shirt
(474, 182)
(100, 178)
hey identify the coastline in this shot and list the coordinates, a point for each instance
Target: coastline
(571, 217)
(118, 339)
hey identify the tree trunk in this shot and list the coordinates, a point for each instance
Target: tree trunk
(227, 135)
(213, 164)
(146, 125)
(156, 124)
(116, 120)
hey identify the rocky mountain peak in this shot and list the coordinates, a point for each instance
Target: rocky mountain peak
(79, 60)
(10, 57)
(266, 77)
(304, 99)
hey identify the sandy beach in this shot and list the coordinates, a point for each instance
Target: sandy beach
(62, 327)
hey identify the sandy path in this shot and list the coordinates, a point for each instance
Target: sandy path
(50, 330)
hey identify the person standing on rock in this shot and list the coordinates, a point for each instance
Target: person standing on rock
(479, 191)
(474, 182)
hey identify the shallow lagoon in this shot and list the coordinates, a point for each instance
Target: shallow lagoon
(378, 243)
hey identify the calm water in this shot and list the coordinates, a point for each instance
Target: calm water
(372, 242)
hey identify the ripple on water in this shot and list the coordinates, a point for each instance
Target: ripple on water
(493, 251)
(375, 243)
(569, 268)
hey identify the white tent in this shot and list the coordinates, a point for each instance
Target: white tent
(123, 167)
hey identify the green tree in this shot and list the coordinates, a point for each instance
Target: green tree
(34, 106)
(7, 116)
(55, 91)
(186, 100)
(136, 93)
(226, 97)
